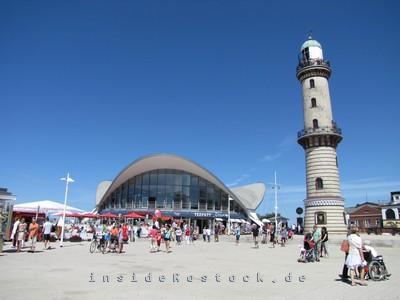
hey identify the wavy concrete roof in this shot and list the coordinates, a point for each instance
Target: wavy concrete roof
(170, 161)
(250, 195)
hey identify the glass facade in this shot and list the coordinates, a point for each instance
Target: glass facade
(169, 190)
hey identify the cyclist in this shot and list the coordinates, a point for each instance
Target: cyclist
(114, 236)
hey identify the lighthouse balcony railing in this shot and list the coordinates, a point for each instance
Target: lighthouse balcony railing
(303, 62)
(319, 130)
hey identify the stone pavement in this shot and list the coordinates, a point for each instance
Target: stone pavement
(202, 271)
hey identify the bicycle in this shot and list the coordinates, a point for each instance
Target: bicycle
(100, 246)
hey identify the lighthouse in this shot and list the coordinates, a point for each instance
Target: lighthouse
(320, 137)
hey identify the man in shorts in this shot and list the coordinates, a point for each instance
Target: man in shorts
(33, 234)
(46, 233)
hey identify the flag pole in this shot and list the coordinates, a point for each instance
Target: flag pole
(67, 181)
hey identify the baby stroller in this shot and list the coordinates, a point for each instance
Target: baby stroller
(375, 268)
(307, 252)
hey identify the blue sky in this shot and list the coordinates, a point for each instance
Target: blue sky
(87, 87)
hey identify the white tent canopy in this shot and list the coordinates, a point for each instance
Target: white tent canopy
(45, 206)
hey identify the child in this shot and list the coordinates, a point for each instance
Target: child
(153, 239)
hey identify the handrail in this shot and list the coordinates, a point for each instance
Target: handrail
(313, 62)
(319, 130)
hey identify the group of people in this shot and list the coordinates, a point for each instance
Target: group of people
(315, 245)
(114, 236)
(356, 261)
(268, 233)
(21, 231)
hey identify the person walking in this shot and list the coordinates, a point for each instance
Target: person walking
(21, 234)
(264, 234)
(255, 231)
(316, 237)
(324, 242)
(204, 233)
(167, 238)
(178, 234)
(283, 236)
(33, 234)
(345, 248)
(121, 238)
(208, 233)
(237, 234)
(272, 235)
(187, 235)
(355, 259)
(216, 233)
(14, 233)
(192, 235)
(153, 239)
(125, 233)
(46, 233)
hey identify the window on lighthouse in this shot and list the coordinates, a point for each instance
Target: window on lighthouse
(313, 102)
(319, 184)
(315, 123)
(312, 84)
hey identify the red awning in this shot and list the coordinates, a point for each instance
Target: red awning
(164, 218)
(108, 215)
(90, 215)
(68, 214)
(133, 215)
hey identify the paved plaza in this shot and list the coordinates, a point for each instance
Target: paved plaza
(200, 271)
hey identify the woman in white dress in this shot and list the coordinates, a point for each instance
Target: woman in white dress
(355, 258)
(21, 234)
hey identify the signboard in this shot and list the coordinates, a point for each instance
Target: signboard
(186, 214)
(299, 210)
(391, 224)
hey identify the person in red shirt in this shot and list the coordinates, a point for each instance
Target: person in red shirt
(33, 234)
(153, 239)
(187, 235)
(125, 232)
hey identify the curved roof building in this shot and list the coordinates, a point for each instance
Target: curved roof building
(178, 187)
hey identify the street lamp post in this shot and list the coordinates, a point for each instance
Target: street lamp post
(276, 204)
(275, 187)
(229, 214)
(67, 181)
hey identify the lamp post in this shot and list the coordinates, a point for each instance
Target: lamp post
(229, 214)
(275, 187)
(67, 181)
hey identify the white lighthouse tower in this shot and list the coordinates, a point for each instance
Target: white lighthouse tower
(324, 204)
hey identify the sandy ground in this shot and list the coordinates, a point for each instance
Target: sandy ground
(201, 271)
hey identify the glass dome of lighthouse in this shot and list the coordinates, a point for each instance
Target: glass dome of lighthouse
(311, 49)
